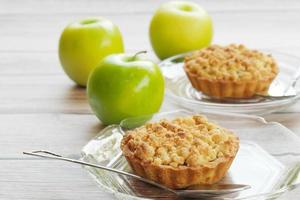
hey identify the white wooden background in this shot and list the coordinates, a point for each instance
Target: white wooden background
(40, 108)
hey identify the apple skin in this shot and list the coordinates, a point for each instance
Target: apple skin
(124, 86)
(179, 27)
(84, 43)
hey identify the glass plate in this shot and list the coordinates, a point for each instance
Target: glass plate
(180, 91)
(267, 159)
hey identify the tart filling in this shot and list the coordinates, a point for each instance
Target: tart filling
(180, 152)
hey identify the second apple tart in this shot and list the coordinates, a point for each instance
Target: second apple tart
(232, 71)
(181, 152)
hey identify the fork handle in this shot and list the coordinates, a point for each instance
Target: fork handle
(54, 156)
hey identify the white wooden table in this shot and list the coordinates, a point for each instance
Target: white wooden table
(40, 108)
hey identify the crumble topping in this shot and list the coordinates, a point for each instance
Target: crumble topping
(232, 62)
(189, 141)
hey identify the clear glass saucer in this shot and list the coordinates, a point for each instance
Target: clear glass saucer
(268, 158)
(180, 91)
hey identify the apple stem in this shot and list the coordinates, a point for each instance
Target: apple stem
(138, 53)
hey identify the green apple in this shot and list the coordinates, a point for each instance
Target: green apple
(123, 86)
(178, 27)
(84, 43)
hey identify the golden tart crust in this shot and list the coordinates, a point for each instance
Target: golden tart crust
(230, 71)
(181, 152)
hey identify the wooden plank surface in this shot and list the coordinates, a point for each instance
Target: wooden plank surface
(44, 180)
(135, 30)
(41, 108)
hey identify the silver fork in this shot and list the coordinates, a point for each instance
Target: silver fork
(200, 192)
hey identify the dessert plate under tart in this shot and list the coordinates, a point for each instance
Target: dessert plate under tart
(263, 163)
(180, 91)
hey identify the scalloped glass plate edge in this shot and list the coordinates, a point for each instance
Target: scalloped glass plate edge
(248, 108)
(288, 179)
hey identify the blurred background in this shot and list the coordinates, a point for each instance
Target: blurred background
(35, 26)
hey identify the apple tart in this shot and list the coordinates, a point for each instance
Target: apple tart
(181, 152)
(232, 71)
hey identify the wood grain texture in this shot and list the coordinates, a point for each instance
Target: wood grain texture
(41, 108)
(239, 27)
(44, 180)
(65, 133)
(135, 6)
(267, 24)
